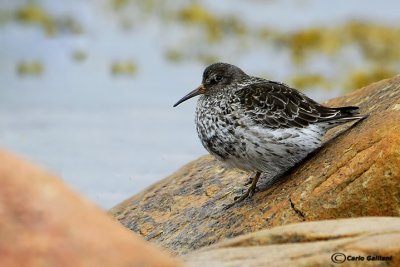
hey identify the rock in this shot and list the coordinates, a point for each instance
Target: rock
(370, 241)
(356, 173)
(43, 223)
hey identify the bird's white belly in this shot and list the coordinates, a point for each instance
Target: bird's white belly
(275, 151)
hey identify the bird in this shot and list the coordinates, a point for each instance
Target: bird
(259, 125)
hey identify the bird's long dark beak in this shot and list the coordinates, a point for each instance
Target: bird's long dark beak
(198, 91)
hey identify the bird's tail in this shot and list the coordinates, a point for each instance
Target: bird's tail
(349, 113)
(342, 115)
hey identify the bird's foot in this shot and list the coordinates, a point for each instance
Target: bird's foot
(248, 181)
(250, 192)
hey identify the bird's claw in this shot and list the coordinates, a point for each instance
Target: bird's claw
(248, 181)
(243, 196)
(249, 192)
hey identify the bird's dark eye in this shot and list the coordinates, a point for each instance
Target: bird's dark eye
(218, 78)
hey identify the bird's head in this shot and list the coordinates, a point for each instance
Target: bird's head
(216, 78)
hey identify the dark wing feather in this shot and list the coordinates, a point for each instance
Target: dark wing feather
(276, 105)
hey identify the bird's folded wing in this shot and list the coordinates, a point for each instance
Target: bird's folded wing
(276, 105)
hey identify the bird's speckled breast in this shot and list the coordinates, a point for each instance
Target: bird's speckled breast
(214, 126)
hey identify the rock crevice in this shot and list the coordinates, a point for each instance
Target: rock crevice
(298, 211)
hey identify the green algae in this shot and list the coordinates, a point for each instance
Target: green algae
(33, 14)
(308, 81)
(174, 55)
(361, 78)
(123, 68)
(35, 68)
(79, 56)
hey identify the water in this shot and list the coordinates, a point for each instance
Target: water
(111, 136)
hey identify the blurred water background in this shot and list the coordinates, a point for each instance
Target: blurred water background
(87, 86)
